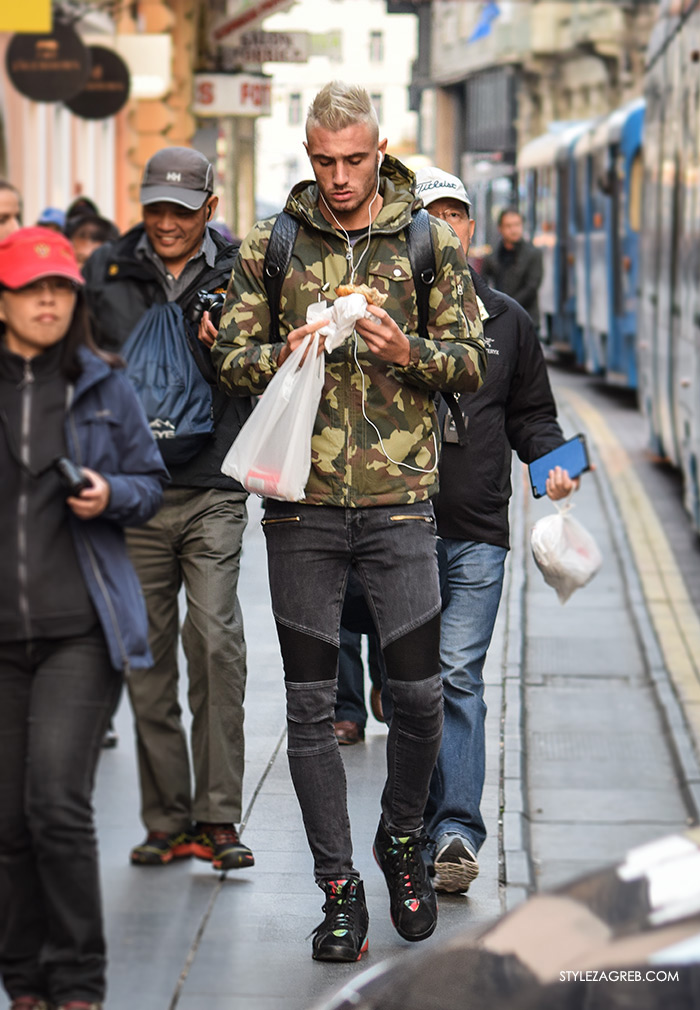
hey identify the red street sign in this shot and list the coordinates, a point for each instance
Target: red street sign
(260, 10)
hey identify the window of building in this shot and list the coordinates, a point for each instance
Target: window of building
(378, 103)
(295, 108)
(376, 47)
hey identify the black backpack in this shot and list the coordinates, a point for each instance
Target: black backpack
(422, 258)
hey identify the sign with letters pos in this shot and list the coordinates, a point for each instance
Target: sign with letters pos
(48, 67)
(269, 47)
(106, 90)
(232, 95)
(246, 14)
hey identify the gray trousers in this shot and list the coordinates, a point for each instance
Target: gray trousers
(195, 541)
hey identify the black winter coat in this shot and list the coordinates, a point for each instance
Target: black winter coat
(513, 410)
(518, 273)
(120, 287)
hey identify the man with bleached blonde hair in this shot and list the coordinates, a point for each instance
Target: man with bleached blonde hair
(367, 503)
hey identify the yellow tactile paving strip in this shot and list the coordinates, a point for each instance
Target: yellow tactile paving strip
(674, 618)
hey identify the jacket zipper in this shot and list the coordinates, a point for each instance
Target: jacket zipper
(88, 546)
(27, 387)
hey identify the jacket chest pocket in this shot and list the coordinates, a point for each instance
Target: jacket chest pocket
(395, 280)
(98, 439)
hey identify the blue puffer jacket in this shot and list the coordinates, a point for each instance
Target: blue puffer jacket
(107, 431)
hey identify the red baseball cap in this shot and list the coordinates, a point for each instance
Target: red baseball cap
(29, 254)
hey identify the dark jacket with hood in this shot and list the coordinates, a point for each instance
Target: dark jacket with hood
(60, 575)
(120, 287)
(513, 410)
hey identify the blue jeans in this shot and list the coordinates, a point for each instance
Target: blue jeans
(350, 699)
(475, 574)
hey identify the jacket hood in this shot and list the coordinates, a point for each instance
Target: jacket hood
(396, 185)
(94, 370)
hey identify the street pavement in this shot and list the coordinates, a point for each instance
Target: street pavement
(586, 757)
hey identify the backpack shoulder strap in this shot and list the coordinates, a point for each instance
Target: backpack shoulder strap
(422, 258)
(421, 254)
(277, 257)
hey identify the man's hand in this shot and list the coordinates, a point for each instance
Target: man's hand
(206, 332)
(298, 335)
(384, 338)
(559, 484)
(92, 501)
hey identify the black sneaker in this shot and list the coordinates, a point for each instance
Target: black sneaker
(160, 848)
(220, 845)
(342, 936)
(411, 895)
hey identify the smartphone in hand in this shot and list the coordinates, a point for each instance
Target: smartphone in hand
(571, 456)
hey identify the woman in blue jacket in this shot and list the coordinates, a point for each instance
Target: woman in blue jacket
(78, 464)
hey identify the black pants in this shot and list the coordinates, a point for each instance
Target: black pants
(56, 697)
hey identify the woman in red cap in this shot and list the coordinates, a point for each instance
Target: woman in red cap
(78, 463)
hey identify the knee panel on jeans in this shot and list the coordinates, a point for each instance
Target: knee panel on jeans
(310, 713)
(416, 655)
(305, 657)
(418, 706)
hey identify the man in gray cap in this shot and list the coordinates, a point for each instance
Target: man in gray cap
(195, 540)
(513, 410)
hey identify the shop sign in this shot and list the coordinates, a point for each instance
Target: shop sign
(48, 67)
(247, 13)
(27, 16)
(270, 47)
(232, 95)
(107, 88)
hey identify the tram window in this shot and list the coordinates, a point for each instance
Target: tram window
(636, 189)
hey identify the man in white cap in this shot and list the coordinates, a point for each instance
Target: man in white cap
(514, 409)
(195, 540)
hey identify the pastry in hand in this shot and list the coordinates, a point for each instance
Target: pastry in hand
(373, 296)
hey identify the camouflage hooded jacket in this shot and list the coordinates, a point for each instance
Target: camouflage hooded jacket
(393, 459)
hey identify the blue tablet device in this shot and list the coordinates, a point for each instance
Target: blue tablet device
(572, 456)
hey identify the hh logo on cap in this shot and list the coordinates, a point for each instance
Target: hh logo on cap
(174, 177)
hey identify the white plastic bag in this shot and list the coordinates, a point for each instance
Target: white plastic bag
(271, 455)
(565, 552)
(342, 315)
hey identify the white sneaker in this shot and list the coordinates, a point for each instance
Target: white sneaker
(455, 865)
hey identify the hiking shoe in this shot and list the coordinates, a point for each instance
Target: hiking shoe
(220, 845)
(411, 895)
(29, 1003)
(161, 848)
(342, 936)
(455, 865)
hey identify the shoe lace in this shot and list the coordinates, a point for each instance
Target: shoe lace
(406, 859)
(341, 905)
(223, 834)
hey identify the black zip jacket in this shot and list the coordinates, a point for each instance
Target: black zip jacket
(513, 410)
(517, 272)
(120, 287)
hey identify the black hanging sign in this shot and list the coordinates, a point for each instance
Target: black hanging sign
(107, 88)
(48, 67)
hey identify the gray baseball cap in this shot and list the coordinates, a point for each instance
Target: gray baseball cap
(177, 175)
(434, 184)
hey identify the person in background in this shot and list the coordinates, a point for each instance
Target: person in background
(513, 410)
(10, 209)
(82, 206)
(78, 464)
(195, 540)
(515, 267)
(53, 218)
(88, 233)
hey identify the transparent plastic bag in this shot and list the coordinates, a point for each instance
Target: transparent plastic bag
(271, 455)
(565, 552)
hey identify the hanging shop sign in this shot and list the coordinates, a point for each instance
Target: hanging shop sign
(48, 67)
(106, 90)
(271, 47)
(232, 95)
